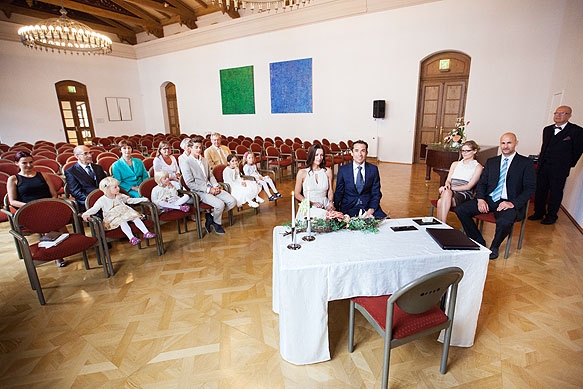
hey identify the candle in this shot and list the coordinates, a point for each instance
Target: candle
(293, 210)
(308, 204)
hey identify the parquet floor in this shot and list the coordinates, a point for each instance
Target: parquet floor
(200, 315)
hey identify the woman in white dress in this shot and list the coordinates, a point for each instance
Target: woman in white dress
(315, 183)
(459, 185)
(166, 161)
(244, 191)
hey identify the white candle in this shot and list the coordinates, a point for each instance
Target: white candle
(308, 204)
(293, 210)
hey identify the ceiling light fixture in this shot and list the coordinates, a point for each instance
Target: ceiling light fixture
(64, 34)
(260, 5)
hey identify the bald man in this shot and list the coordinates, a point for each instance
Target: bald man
(561, 149)
(84, 176)
(505, 194)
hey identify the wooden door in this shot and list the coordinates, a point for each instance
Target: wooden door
(172, 108)
(442, 99)
(75, 112)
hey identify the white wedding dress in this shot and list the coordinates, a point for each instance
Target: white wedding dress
(315, 187)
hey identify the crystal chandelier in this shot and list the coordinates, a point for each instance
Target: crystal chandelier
(261, 5)
(64, 34)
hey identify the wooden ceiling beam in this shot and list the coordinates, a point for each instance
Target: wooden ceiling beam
(96, 11)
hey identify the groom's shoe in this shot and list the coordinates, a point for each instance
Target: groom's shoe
(494, 252)
(208, 223)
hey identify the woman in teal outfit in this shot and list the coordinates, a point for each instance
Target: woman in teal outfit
(129, 171)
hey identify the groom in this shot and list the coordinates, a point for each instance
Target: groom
(358, 185)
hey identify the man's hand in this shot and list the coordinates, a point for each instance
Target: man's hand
(504, 205)
(483, 206)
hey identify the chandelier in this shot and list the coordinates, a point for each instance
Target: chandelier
(261, 5)
(64, 34)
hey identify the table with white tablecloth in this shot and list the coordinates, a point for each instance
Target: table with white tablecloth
(344, 264)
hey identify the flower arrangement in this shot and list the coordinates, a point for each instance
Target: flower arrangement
(335, 221)
(457, 135)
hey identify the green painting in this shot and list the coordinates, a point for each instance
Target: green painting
(237, 91)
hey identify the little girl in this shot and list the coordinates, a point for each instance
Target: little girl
(242, 190)
(251, 170)
(165, 195)
(115, 211)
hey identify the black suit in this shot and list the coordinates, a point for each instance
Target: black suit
(80, 183)
(558, 154)
(520, 186)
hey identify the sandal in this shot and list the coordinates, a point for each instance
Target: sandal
(134, 241)
(185, 208)
(149, 235)
(60, 263)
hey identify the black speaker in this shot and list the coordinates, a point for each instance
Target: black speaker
(378, 109)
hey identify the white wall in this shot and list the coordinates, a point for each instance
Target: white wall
(28, 103)
(522, 51)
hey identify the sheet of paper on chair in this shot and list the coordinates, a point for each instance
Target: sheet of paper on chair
(47, 245)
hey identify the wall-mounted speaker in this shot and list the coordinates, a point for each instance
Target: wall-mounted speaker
(378, 109)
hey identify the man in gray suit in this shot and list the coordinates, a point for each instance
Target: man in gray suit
(199, 178)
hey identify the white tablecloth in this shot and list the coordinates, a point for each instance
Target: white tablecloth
(346, 264)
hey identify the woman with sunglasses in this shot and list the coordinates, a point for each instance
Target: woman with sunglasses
(461, 180)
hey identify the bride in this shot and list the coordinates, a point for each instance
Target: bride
(315, 183)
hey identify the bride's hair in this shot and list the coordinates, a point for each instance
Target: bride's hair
(312, 156)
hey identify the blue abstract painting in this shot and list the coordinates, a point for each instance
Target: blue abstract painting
(291, 86)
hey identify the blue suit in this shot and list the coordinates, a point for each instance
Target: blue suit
(346, 197)
(80, 184)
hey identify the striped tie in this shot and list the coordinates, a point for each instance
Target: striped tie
(497, 193)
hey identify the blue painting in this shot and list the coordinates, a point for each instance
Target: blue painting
(291, 86)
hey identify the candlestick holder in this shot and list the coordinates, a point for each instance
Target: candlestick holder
(309, 237)
(294, 245)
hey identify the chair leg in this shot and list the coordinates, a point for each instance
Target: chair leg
(508, 243)
(386, 361)
(351, 328)
(521, 233)
(445, 352)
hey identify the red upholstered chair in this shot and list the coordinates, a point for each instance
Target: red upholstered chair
(50, 163)
(46, 215)
(490, 218)
(3, 192)
(63, 157)
(276, 161)
(413, 311)
(9, 168)
(106, 163)
(152, 222)
(177, 215)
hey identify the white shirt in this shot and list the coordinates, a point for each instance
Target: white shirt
(504, 194)
(355, 168)
(559, 128)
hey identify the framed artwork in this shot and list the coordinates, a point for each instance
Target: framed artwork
(291, 86)
(237, 91)
(118, 108)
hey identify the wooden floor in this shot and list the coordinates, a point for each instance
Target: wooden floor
(200, 315)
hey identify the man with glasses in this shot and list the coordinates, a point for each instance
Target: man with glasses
(561, 149)
(84, 176)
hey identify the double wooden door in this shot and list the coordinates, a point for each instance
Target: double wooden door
(442, 99)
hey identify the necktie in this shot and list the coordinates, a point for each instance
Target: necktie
(497, 193)
(90, 172)
(222, 157)
(359, 180)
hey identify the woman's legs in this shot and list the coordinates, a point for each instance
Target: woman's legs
(444, 204)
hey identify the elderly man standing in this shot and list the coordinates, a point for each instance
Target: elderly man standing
(561, 149)
(84, 176)
(505, 187)
(216, 154)
(199, 178)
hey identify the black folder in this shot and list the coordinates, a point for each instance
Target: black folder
(450, 239)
